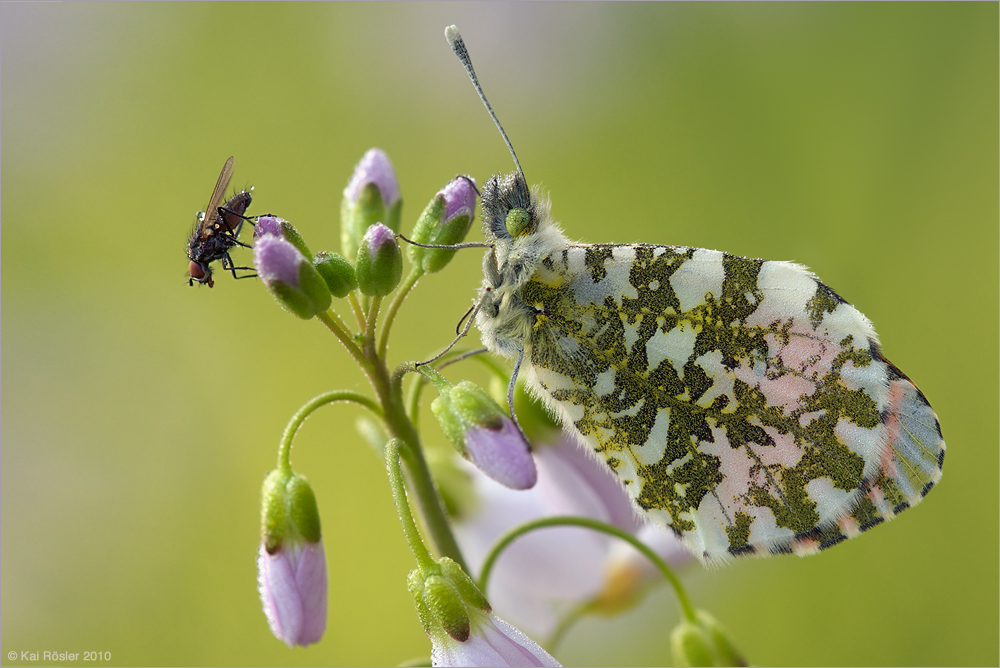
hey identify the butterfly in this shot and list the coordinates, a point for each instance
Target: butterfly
(741, 402)
(216, 230)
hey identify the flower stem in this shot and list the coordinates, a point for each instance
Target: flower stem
(397, 301)
(345, 338)
(413, 396)
(393, 412)
(370, 322)
(285, 447)
(427, 497)
(423, 557)
(687, 608)
(359, 315)
(340, 321)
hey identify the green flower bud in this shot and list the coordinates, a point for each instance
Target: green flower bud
(291, 563)
(290, 277)
(464, 584)
(445, 221)
(462, 629)
(447, 607)
(482, 433)
(288, 510)
(445, 596)
(380, 262)
(463, 407)
(337, 272)
(371, 196)
(703, 643)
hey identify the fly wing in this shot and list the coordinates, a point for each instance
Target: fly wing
(211, 211)
(742, 402)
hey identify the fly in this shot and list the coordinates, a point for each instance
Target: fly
(217, 229)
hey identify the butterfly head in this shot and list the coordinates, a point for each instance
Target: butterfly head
(508, 207)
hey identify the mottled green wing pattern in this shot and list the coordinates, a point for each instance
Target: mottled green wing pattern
(742, 402)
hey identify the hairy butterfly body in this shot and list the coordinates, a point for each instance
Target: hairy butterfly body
(741, 402)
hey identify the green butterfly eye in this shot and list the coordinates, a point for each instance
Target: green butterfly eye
(517, 222)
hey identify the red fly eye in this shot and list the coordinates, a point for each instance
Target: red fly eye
(200, 273)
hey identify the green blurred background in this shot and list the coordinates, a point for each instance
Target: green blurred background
(139, 415)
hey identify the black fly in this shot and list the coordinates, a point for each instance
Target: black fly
(216, 230)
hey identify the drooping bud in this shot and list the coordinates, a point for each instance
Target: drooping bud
(280, 227)
(290, 276)
(445, 221)
(337, 272)
(463, 630)
(482, 433)
(380, 262)
(447, 607)
(371, 196)
(291, 564)
(703, 643)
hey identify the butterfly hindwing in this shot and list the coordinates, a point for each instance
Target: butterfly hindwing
(742, 402)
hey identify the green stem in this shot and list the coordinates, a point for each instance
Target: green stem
(413, 399)
(337, 319)
(687, 608)
(413, 396)
(390, 396)
(345, 338)
(359, 314)
(428, 499)
(285, 447)
(397, 301)
(423, 557)
(370, 322)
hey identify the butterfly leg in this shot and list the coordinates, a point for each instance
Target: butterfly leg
(471, 314)
(510, 395)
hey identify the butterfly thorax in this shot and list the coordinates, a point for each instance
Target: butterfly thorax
(518, 224)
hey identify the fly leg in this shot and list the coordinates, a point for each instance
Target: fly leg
(228, 265)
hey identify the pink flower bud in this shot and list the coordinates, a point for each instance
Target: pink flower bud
(292, 584)
(374, 167)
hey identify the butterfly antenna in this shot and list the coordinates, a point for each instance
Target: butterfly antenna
(458, 46)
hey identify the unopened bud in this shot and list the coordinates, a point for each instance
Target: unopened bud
(337, 272)
(703, 643)
(291, 564)
(371, 196)
(290, 277)
(482, 433)
(279, 227)
(380, 262)
(445, 222)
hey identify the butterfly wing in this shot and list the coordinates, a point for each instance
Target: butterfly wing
(742, 402)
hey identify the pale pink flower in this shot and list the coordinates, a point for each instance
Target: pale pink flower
(492, 642)
(292, 584)
(547, 572)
